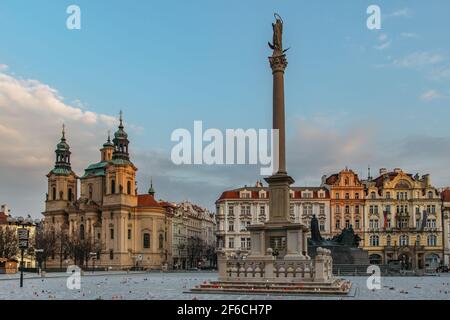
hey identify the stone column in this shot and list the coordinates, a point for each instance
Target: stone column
(278, 63)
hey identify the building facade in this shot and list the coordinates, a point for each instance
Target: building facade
(346, 201)
(132, 230)
(403, 220)
(238, 208)
(445, 197)
(194, 238)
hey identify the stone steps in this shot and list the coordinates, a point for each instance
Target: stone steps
(337, 287)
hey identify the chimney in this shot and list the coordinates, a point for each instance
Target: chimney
(426, 179)
(383, 171)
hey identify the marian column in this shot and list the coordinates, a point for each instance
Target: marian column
(279, 182)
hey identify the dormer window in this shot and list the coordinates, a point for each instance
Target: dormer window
(245, 195)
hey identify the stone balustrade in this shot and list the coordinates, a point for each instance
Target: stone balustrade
(241, 267)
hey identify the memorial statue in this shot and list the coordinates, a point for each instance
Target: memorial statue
(315, 230)
(277, 42)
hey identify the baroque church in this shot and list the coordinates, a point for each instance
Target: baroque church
(132, 230)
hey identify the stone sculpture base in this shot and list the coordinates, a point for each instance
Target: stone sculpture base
(343, 254)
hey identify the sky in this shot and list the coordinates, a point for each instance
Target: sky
(354, 97)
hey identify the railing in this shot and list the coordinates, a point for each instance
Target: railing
(267, 267)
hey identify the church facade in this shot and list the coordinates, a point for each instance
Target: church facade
(131, 229)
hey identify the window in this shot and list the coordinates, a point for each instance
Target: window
(278, 243)
(69, 192)
(357, 225)
(111, 233)
(98, 235)
(374, 241)
(245, 210)
(357, 195)
(243, 243)
(90, 191)
(388, 223)
(388, 241)
(347, 209)
(430, 195)
(337, 195)
(161, 241)
(347, 224)
(128, 187)
(146, 241)
(388, 195)
(373, 195)
(404, 240)
(347, 195)
(81, 231)
(346, 181)
(249, 243)
(322, 209)
(322, 226)
(230, 227)
(113, 186)
(291, 210)
(357, 209)
(431, 240)
(111, 254)
(338, 210)
(231, 243)
(418, 241)
(53, 193)
(231, 211)
(262, 210)
(129, 234)
(388, 208)
(338, 224)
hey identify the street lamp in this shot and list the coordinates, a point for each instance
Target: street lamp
(23, 235)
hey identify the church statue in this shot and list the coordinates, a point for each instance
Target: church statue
(277, 43)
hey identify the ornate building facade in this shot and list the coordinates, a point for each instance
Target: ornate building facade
(445, 197)
(133, 230)
(403, 220)
(194, 239)
(238, 208)
(346, 201)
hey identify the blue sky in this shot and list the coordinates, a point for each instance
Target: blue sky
(169, 63)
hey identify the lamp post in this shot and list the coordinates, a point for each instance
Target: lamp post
(23, 235)
(93, 257)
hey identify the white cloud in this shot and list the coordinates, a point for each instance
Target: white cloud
(3, 67)
(409, 35)
(383, 46)
(31, 115)
(404, 12)
(430, 95)
(419, 59)
(440, 73)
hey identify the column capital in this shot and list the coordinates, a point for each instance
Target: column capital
(278, 63)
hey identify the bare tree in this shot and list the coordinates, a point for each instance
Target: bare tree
(195, 249)
(9, 243)
(79, 249)
(45, 240)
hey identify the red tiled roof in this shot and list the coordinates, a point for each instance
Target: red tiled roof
(234, 194)
(3, 218)
(147, 200)
(446, 195)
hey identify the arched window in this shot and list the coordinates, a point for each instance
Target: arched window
(374, 241)
(90, 191)
(347, 209)
(128, 187)
(430, 195)
(54, 193)
(113, 186)
(404, 240)
(372, 195)
(146, 241)
(418, 241)
(431, 241)
(69, 192)
(161, 241)
(82, 231)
